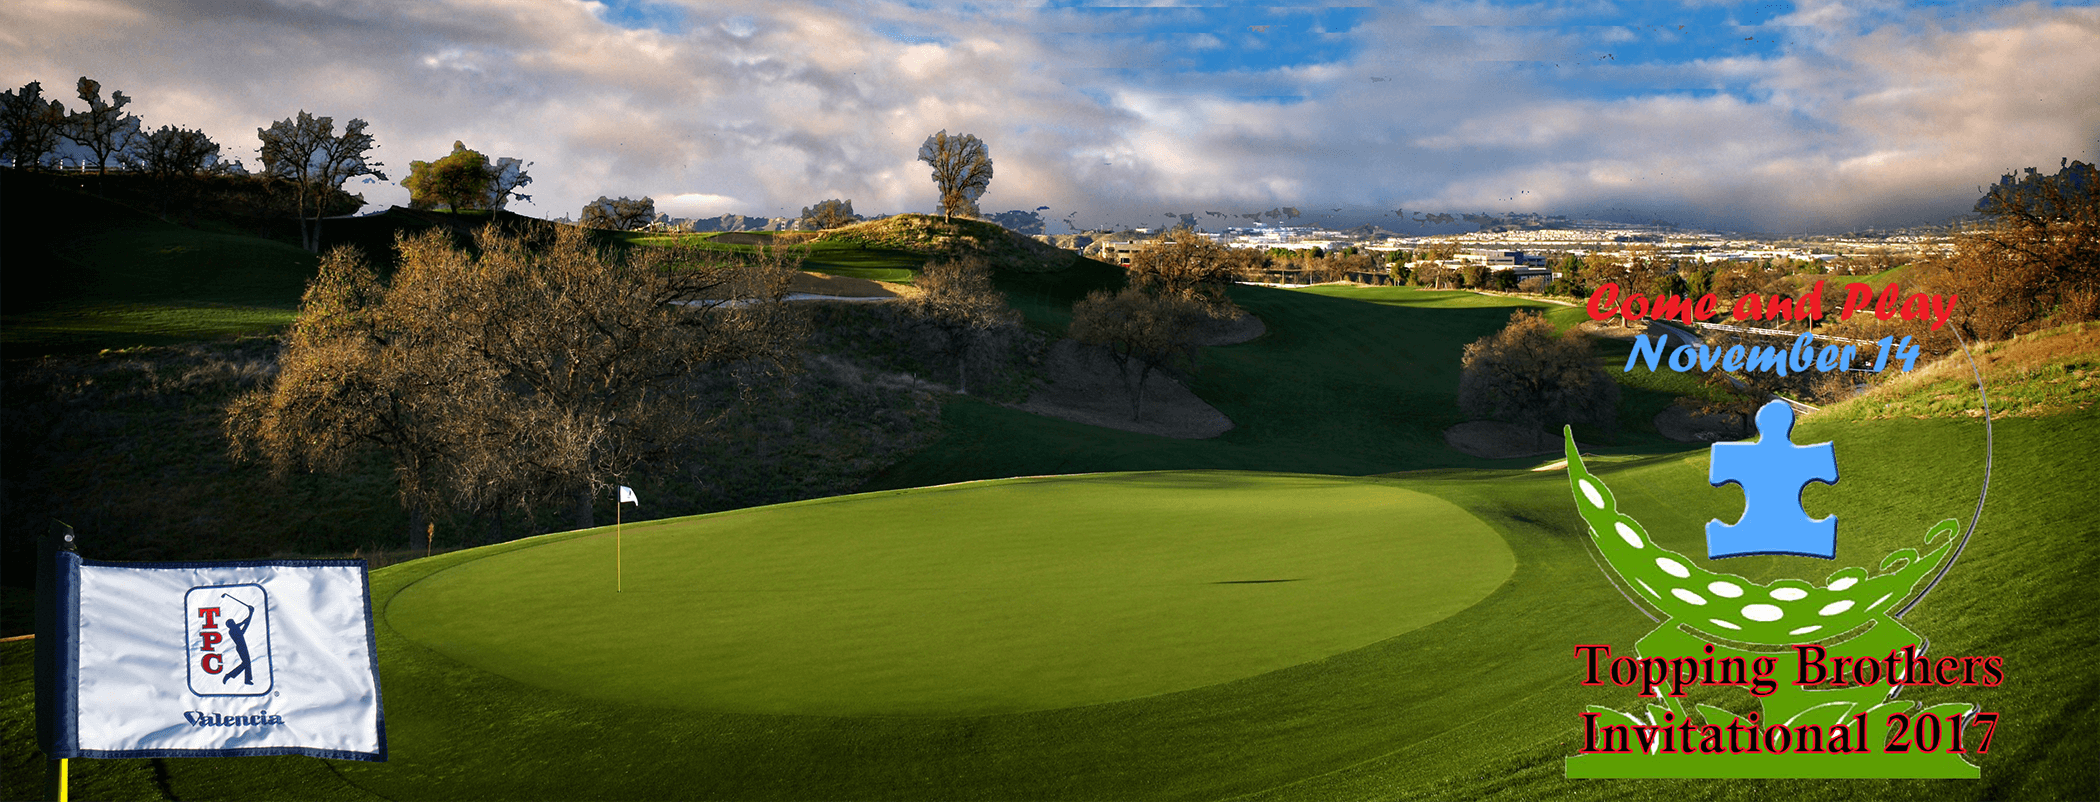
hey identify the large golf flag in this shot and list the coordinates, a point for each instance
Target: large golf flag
(266, 657)
(627, 496)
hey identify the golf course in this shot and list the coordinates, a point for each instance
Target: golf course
(1326, 602)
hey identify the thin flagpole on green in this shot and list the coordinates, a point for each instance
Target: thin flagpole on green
(622, 497)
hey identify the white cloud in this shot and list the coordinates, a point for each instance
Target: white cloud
(1882, 116)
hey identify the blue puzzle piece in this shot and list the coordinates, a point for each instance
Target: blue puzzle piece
(1772, 472)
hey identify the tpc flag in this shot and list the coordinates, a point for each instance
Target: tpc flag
(627, 496)
(266, 657)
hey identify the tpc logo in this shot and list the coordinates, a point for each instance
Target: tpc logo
(229, 640)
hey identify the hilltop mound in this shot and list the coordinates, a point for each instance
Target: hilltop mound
(933, 236)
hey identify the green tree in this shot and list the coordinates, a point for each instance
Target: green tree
(464, 180)
(29, 125)
(305, 151)
(1533, 376)
(459, 181)
(962, 169)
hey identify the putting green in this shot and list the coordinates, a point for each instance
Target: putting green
(989, 597)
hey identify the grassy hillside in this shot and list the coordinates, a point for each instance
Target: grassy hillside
(83, 273)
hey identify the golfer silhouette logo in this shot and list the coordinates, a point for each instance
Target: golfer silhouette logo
(229, 639)
(238, 630)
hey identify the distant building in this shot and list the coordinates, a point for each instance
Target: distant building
(1118, 252)
(1525, 265)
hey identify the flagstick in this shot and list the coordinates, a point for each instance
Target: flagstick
(619, 583)
(62, 780)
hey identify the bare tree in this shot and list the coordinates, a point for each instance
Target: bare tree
(29, 125)
(962, 168)
(622, 214)
(505, 177)
(306, 151)
(957, 297)
(533, 368)
(1143, 333)
(105, 129)
(1533, 376)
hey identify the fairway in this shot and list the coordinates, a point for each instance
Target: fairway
(991, 597)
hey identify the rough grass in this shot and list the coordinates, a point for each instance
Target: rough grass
(2049, 372)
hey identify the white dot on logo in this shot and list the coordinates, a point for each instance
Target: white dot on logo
(1720, 622)
(1627, 534)
(1688, 596)
(1590, 491)
(1789, 594)
(1804, 630)
(1762, 612)
(1844, 583)
(1726, 590)
(1835, 607)
(1673, 567)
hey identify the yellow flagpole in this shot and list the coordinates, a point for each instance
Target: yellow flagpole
(619, 583)
(62, 780)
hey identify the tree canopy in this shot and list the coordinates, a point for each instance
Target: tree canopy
(105, 129)
(2037, 260)
(1533, 376)
(530, 369)
(621, 214)
(464, 180)
(29, 125)
(962, 169)
(1185, 263)
(169, 152)
(829, 214)
(305, 151)
(1144, 332)
(957, 297)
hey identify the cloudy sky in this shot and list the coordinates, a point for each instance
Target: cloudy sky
(1770, 117)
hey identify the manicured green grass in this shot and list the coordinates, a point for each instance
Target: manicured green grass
(985, 598)
(1483, 703)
